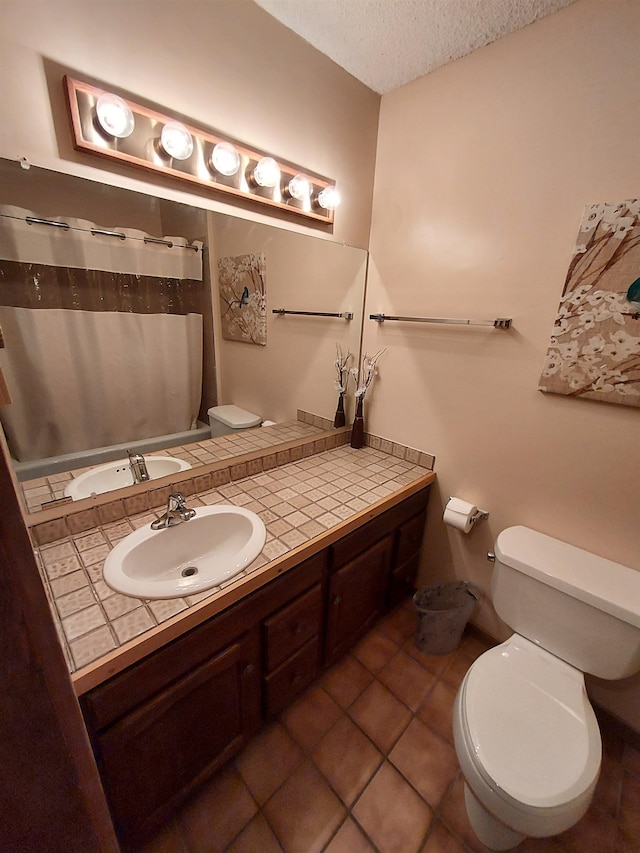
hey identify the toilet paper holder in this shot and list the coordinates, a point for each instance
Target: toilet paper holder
(477, 516)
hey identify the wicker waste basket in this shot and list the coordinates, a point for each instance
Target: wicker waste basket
(443, 612)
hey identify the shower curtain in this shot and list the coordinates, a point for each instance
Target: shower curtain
(102, 334)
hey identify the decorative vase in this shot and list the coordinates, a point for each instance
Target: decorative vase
(357, 430)
(339, 420)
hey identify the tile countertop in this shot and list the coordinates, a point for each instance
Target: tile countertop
(37, 492)
(305, 505)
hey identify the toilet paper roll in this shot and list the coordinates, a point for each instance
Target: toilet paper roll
(459, 514)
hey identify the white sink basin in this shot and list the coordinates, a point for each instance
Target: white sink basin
(117, 475)
(218, 543)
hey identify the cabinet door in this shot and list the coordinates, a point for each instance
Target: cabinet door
(357, 597)
(407, 559)
(153, 757)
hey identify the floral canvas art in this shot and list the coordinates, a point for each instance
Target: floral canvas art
(595, 346)
(243, 301)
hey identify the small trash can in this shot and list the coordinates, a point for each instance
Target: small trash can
(443, 612)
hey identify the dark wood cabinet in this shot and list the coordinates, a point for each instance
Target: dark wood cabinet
(154, 756)
(162, 726)
(357, 596)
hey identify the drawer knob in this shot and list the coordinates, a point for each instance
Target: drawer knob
(337, 600)
(248, 670)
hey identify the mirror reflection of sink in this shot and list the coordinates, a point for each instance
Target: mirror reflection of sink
(195, 555)
(117, 475)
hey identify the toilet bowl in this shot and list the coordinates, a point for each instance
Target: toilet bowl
(224, 420)
(525, 733)
(527, 740)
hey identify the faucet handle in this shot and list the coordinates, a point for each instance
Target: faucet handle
(177, 500)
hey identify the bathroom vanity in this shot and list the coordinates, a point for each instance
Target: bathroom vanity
(167, 722)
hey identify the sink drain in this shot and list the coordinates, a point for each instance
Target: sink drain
(189, 572)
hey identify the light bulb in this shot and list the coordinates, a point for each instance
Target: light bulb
(114, 116)
(299, 188)
(329, 198)
(225, 159)
(176, 141)
(267, 172)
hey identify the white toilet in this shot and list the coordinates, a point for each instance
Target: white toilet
(224, 420)
(525, 733)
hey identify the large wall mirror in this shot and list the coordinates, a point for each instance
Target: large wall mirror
(119, 337)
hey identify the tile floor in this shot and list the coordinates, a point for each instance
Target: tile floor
(364, 762)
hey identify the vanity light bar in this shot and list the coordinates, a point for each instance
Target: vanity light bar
(115, 127)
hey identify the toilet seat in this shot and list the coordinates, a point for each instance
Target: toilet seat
(532, 746)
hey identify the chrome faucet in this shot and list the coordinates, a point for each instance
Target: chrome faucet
(177, 512)
(138, 467)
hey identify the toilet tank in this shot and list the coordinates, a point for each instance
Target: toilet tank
(224, 420)
(580, 607)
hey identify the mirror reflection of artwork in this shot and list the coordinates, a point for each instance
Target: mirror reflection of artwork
(243, 302)
(595, 346)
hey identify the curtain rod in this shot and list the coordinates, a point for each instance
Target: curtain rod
(36, 220)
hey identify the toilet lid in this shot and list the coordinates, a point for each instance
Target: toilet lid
(235, 417)
(529, 725)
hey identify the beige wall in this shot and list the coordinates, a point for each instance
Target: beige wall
(295, 370)
(225, 64)
(483, 170)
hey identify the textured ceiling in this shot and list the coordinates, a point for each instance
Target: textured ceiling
(387, 43)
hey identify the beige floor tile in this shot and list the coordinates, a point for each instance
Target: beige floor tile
(217, 813)
(454, 815)
(380, 715)
(399, 625)
(349, 839)
(267, 760)
(392, 814)
(441, 840)
(425, 760)
(629, 816)
(311, 716)
(375, 651)
(437, 710)
(407, 680)
(304, 813)
(434, 663)
(346, 680)
(347, 758)
(256, 837)
(456, 670)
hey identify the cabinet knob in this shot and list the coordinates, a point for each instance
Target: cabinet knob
(298, 628)
(297, 681)
(248, 670)
(337, 600)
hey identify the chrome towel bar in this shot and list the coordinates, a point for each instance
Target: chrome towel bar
(499, 323)
(343, 315)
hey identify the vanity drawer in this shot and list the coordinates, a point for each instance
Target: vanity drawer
(292, 626)
(283, 685)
